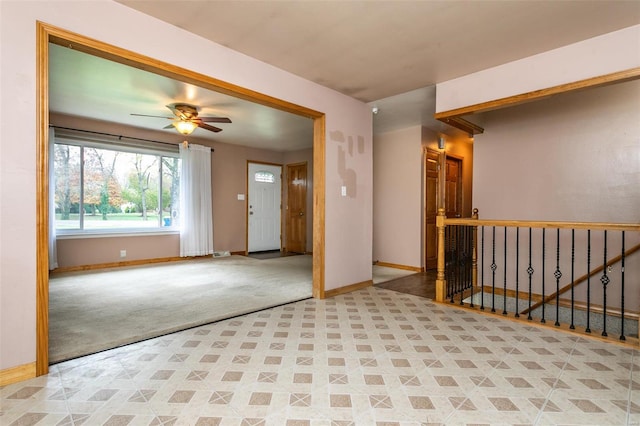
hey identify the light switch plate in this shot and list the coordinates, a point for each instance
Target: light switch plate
(240, 197)
(343, 191)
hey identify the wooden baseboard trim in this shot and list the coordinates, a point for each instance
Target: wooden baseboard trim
(239, 253)
(125, 263)
(17, 374)
(397, 266)
(630, 341)
(348, 289)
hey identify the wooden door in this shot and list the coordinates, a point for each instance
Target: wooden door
(453, 187)
(431, 207)
(264, 213)
(296, 214)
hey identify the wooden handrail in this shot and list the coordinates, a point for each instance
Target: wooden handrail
(545, 224)
(580, 280)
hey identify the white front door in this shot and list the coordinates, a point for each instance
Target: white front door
(263, 207)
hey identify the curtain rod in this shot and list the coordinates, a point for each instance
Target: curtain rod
(117, 136)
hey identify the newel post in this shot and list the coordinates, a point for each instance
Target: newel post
(441, 283)
(474, 252)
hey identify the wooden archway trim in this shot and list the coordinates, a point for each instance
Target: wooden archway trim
(454, 117)
(50, 34)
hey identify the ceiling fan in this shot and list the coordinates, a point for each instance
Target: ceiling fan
(186, 119)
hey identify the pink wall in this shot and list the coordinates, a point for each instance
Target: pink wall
(89, 251)
(398, 197)
(348, 221)
(613, 52)
(575, 157)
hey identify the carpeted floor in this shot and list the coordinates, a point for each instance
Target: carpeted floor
(98, 310)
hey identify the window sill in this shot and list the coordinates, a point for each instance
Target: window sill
(119, 233)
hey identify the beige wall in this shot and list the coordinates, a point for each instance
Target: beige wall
(398, 197)
(228, 179)
(348, 224)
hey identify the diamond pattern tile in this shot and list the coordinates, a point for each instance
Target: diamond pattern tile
(371, 357)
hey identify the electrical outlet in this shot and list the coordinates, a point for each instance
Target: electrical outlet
(123, 253)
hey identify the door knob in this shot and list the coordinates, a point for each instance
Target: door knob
(301, 213)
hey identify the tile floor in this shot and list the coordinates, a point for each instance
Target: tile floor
(372, 357)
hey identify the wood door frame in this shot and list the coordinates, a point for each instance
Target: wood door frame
(306, 188)
(246, 210)
(439, 203)
(425, 242)
(45, 34)
(460, 183)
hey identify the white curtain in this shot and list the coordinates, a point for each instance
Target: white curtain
(196, 226)
(53, 251)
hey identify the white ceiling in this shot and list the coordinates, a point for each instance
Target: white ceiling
(87, 86)
(375, 49)
(387, 53)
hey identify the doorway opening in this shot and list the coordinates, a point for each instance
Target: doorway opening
(452, 201)
(296, 209)
(49, 34)
(264, 207)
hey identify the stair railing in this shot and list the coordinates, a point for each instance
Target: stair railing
(516, 267)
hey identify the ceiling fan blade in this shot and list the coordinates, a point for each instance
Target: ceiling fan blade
(207, 127)
(215, 119)
(170, 126)
(154, 116)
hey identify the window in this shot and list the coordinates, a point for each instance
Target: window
(264, 176)
(105, 189)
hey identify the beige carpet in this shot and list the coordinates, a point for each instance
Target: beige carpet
(93, 311)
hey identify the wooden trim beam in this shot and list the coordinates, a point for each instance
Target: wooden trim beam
(319, 188)
(633, 227)
(17, 374)
(629, 342)
(42, 200)
(348, 289)
(397, 266)
(454, 117)
(462, 124)
(46, 34)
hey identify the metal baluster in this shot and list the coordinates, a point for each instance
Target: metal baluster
(482, 275)
(464, 264)
(588, 329)
(573, 264)
(493, 269)
(456, 237)
(452, 261)
(622, 288)
(530, 271)
(543, 253)
(472, 243)
(517, 270)
(450, 281)
(558, 275)
(604, 280)
(504, 295)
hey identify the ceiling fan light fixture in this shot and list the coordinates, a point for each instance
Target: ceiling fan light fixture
(185, 127)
